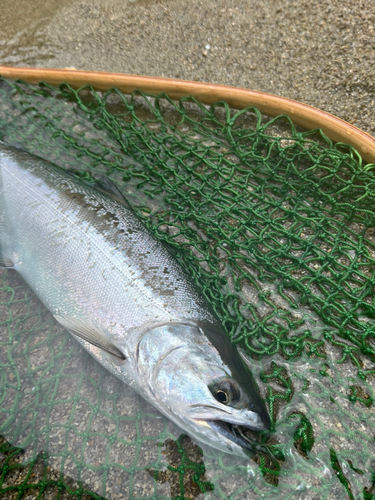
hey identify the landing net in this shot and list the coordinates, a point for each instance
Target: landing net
(276, 225)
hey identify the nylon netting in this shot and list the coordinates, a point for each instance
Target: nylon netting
(276, 226)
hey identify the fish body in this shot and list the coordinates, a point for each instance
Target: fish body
(124, 297)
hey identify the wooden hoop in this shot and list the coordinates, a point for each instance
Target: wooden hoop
(301, 114)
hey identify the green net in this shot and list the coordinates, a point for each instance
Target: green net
(276, 226)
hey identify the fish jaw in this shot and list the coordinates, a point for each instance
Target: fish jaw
(221, 435)
(225, 430)
(226, 440)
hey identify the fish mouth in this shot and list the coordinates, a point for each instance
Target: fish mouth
(235, 433)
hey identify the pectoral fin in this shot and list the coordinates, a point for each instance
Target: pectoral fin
(91, 334)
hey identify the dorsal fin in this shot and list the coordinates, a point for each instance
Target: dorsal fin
(104, 185)
(110, 187)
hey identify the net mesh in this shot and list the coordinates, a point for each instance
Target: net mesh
(276, 226)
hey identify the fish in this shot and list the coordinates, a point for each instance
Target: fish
(126, 299)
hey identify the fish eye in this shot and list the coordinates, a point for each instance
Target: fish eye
(222, 396)
(225, 391)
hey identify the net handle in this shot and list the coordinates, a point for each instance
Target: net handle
(301, 114)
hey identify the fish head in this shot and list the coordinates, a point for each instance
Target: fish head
(207, 391)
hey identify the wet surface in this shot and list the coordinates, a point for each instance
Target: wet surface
(23, 36)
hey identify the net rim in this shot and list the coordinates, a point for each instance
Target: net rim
(301, 114)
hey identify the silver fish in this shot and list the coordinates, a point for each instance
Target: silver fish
(124, 297)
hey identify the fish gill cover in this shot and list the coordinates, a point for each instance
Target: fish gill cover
(276, 226)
